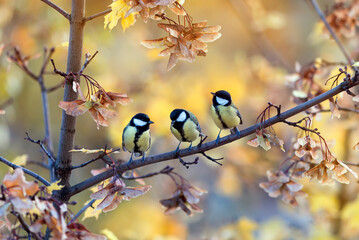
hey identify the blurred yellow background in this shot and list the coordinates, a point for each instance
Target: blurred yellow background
(261, 41)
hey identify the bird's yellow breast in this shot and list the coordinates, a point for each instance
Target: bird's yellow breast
(226, 117)
(190, 132)
(133, 143)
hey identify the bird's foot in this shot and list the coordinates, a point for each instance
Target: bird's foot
(190, 147)
(238, 133)
(130, 161)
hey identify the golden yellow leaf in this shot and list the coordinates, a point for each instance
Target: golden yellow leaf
(54, 186)
(119, 10)
(88, 151)
(109, 234)
(20, 160)
(91, 212)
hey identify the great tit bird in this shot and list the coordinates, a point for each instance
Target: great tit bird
(224, 114)
(185, 127)
(136, 136)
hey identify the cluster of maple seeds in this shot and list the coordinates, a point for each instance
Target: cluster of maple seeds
(186, 40)
(310, 158)
(25, 199)
(113, 191)
(344, 18)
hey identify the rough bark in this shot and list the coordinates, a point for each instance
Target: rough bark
(68, 124)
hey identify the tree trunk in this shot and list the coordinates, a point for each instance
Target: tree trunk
(66, 142)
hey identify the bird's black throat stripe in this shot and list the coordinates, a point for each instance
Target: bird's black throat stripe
(139, 132)
(220, 117)
(179, 127)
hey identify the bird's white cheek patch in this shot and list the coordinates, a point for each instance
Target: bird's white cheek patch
(222, 101)
(139, 122)
(181, 117)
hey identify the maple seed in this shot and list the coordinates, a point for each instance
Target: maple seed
(184, 43)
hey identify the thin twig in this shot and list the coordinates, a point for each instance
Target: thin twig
(25, 225)
(47, 58)
(87, 61)
(51, 89)
(41, 164)
(89, 204)
(21, 62)
(63, 74)
(333, 34)
(165, 170)
(97, 15)
(187, 164)
(341, 109)
(40, 143)
(212, 145)
(27, 171)
(101, 156)
(57, 8)
(212, 159)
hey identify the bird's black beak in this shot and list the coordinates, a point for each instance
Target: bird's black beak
(150, 122)
(213, 93)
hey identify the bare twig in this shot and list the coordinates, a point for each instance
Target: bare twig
(165, 170)
(341, 109)
(87, 61)
(57, 8)
(101, 156)
(82, 210)
(41, 164)
(333, 34)
(27, 171)
(25, 225)
(40, 143)
(97, 15)
(51, 89)
(212, 145)
(63, 74)
(212, 159)
(187, 164)
(21, 62)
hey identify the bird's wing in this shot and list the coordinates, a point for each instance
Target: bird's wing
(195, 120)
(238, 114)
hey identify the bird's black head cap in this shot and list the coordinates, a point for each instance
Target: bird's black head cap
(222, 94)
(175, 114)
(142, 117)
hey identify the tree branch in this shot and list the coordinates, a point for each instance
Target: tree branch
(68, 122)
(97, 15)
(332, 33)
(40, 143)
(82, 210)
(27, 171)
(21, 62)
(57, 8)
(165, 170)
(212, 145)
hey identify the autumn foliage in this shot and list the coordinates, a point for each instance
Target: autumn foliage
(290, 174)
